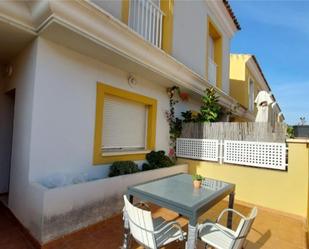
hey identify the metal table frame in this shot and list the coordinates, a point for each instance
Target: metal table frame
(192, 213)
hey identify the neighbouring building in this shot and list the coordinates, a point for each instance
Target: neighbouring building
(246, 81)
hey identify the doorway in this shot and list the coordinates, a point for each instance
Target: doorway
(7, 103)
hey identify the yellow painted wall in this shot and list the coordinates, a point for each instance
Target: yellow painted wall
(238, 86)
(167, 6)
(238, 90)
(237, 68)
(239, 80)
(284, 191)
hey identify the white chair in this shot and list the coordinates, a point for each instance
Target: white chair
(148, 232)
(221, 237)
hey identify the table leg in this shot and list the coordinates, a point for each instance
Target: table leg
(230, 214)
(192, 236)
(126, 235)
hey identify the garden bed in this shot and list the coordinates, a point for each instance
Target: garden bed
(72, 207)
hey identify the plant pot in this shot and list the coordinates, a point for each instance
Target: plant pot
(197, 184)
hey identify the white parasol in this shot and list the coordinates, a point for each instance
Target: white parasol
(262, 101)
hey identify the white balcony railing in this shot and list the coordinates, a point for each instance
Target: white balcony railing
(212, 71)
(146, 18)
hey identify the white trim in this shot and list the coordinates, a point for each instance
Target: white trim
(222, 17)
(17, 24)
(256, 74)
(298, 141)
(125, 153)
(119, 38)
(250, 105)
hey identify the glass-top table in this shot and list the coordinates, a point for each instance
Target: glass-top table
(178, 194)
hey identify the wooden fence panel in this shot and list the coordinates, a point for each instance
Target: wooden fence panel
(251, 131)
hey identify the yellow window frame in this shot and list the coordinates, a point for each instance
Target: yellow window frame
(213, 31)
(102, 90)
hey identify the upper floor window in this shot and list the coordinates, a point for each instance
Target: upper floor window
(146, 18)
(212, 66)
(214, 55)
(251, 95)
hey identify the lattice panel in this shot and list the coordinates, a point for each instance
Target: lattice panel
(257, 154)
(204, 149)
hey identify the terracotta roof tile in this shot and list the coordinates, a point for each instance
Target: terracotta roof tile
(229, 9)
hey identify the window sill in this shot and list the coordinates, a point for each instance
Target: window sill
(123, 153)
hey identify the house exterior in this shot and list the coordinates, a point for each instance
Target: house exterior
(84, 85)
(246, 81)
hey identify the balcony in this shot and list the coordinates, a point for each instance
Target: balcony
(146, 18)
(212, 71)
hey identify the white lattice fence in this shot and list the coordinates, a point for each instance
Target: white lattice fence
(254, 154)
(257, 154)
(203, 149)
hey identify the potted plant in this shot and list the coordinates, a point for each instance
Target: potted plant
(197, 180)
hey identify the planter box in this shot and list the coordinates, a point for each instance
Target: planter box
(301, 131)
(70, 208)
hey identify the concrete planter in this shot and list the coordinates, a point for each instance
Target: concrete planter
(69, 208)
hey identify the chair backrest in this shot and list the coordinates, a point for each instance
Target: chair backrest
(141, 224)
(244, 228)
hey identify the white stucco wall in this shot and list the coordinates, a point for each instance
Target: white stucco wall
(190, 38)
(111, 6)
(54, 120)
(64, 110)
(24, 201)
(226, 64)
(189, 34)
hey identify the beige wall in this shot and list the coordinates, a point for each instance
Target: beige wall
(283, 191)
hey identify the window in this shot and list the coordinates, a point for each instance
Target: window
(212, 66)
(158, 16)
(251, 95)
(125, 125)
(214, 55)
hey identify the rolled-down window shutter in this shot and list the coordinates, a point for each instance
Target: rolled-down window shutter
(124, 125)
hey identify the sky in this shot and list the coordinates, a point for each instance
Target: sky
(277, 33)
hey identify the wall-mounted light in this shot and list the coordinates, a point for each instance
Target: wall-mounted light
(132, 80)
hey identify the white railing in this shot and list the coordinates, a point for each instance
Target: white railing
(204, 149)
(146, 19)
(212, 71)
(254, 154)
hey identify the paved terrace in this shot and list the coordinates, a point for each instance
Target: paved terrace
(271, 230)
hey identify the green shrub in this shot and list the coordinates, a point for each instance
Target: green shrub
(290, 132)
(157, 159)
(123, 168)
(210, 110)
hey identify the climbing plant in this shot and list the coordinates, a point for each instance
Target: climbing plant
(175, 124)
